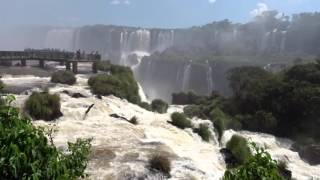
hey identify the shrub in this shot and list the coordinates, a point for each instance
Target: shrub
(239, 148)
(193, 111)
(203, 131)
(121, 85)
(133, 120)
(259, 166)
(180, 120)
(145, 106)
(159, 106)
(26, 154)
(63, 77)
(160, 163)
(220, 120)
(104, 66)
(43, 106)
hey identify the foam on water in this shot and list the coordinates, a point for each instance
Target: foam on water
(121, 150)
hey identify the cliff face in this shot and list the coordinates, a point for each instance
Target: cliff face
(160, 78)
(169, 68)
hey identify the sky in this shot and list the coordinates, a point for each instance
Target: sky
(142, 13)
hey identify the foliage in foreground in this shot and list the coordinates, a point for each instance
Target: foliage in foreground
(180, 120)
(26, 154)
(160, 163)
(258, 166)
(42, 105)
(63, 77)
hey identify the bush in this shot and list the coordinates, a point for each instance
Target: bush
(193, 111)
(63, 77)
(160, 163)
(145, 106)
(43, 106)
(203, 131)
(159, 106)
(133, 120)
(239, 148)
(259, 166)
(122, 85)
(26, 154)
(104, 66)
(220, 120)
(180, 120)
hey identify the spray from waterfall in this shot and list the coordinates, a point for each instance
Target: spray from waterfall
(209, 78)
(186, 77)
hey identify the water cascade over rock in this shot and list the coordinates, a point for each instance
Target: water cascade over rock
(121, 150)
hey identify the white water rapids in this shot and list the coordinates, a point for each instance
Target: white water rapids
(121, 150)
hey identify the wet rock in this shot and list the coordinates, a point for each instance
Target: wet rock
(118, 117)
(310, 153)
(74, 95)
(229, 158)
(78, 95)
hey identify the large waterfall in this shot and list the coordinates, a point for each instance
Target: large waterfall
(121, 150)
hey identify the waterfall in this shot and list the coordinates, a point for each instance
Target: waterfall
(60, 39)
(121, 150)
(165, 39)
(209, 79)
(283, 41)
(186, 77)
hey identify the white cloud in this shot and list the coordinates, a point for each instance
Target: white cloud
(261, 7)
(119, 2)
(212, 1)
(127, 2)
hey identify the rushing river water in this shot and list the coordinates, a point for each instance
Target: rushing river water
(121, 150)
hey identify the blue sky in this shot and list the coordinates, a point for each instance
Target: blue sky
(143, 13)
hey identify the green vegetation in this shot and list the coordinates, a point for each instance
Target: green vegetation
(160, 163)
(119, 81)
(219, 120)
(285, 104)
(193, 111)
(239, 148)
(42, 105)
(203, 131)
(63, 77)
(258, 166)
(26, 153)
(187, 98)
(180, 120)
(159, 106)
(145, 106)
(1, 85)
(104, 66)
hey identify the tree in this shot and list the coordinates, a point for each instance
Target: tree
(159, 106)
(258, 166)
(25, 152)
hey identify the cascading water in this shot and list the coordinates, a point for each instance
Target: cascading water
(186, 77)
(121, 150)
(209, 79)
